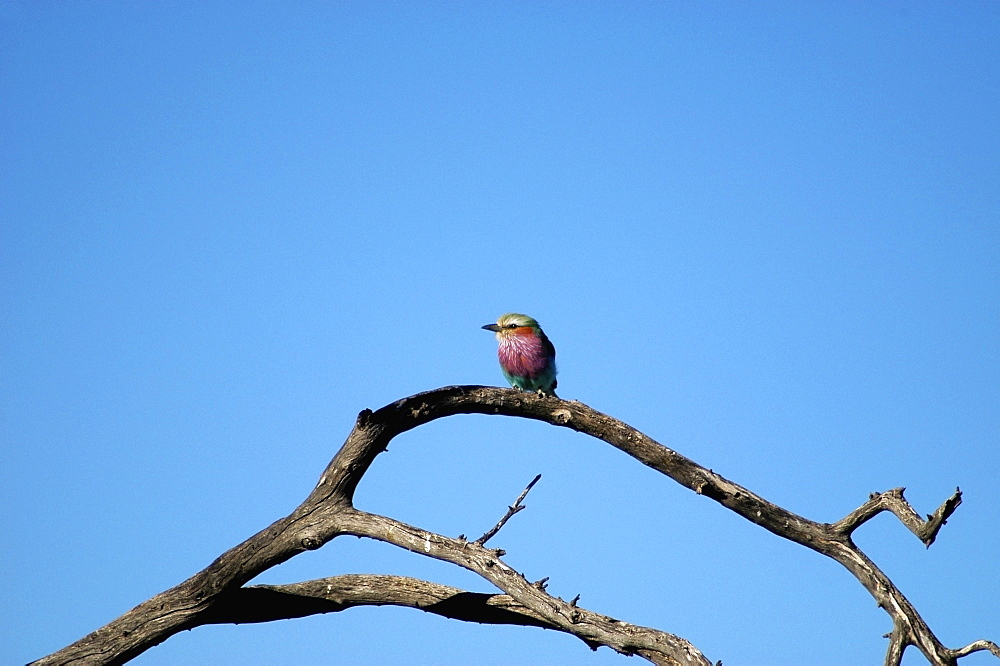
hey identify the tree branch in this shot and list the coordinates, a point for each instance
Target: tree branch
(266, 603)
(511, 510)
(988, 646)
(893, 500)
(328, 512)
(656, 646)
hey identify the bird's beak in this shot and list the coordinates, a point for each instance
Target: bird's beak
(492, 327)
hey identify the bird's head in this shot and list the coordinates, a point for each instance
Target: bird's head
(510, 322)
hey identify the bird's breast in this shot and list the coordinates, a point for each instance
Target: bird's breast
(522, 354)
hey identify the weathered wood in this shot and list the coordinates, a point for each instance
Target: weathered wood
(215, 594)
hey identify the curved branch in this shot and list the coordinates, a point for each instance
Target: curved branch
(266, 603)
(893, 500)
(656, 646)
(978, 646)
(831, 540)
(328, 512)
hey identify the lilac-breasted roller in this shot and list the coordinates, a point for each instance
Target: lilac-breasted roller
(527, 358)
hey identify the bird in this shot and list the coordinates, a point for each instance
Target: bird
(527, 357)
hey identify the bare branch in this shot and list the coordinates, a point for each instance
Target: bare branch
(328, 512)
(511, 510)
(265, 603)
(656, 646)
(978, 646)
(897, 645)
(893, 500)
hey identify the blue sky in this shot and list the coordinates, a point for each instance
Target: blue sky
(765, 234)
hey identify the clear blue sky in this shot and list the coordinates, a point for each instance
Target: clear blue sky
(765, 234)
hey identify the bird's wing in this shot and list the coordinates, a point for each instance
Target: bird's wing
(547, 345)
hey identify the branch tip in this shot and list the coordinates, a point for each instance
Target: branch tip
(511, 510)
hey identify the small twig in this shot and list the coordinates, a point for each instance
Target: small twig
(511, 510)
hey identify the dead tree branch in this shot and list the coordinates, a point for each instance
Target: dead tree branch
(266, 603)
(329, 512)
(594, 629)
(511, 510)
(977, 646)
(893, 500)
